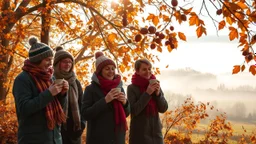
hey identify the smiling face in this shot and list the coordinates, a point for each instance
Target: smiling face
(144, 71)
(108, 72)
(46, 64)
(66, 64)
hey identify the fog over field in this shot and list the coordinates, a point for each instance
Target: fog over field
(224, 90)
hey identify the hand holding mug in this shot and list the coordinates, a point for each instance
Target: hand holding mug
(111, 95)
(55, 88)
(122, 98)
(65, 87)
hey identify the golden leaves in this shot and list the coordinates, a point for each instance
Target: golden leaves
(112, 37)
(222, 24)
(194, 20)
(169, 48)
(153, 18)
(236, 69)
(252, 69)
(233, 33)
(200, 30)
(182, 36)
(242, 5)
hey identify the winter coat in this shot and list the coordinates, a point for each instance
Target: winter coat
(69, 136)
(145, 129)
(100, 117)
(30, 110)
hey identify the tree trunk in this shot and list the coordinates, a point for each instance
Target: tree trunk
(45, 28)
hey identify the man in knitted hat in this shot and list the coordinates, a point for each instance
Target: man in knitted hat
(38, 99)
(105, 106)
(64, 69)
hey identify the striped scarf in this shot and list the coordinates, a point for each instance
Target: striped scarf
(53, 111)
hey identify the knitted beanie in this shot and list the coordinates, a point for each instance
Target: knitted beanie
(38, 51)
(102, 61)
(61, 54)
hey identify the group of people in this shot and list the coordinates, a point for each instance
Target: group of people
(51, 112)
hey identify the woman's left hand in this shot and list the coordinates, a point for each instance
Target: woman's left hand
(65, 87)
(121, 98)
(158, 89)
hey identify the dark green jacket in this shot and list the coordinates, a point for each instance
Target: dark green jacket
(100, 117)
(30, 109)
(145, 129)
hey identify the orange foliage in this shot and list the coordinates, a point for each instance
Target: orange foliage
(8, 124)
(84, 27)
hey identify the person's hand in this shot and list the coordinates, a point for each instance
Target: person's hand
(65, 87)
(158, 89)
(151, 88)
(121, 98)
(111, 95)
(55, 88)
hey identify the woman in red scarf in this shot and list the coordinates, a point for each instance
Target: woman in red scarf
(38, 99)
(105, 106)
(146, 100)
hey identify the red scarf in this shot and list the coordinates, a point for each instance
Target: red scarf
(151, 108)
(53, 111)
(106, 86)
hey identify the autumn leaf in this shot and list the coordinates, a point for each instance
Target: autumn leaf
(233, 33)
(186, 11)
(112, 37)
(150, 17)
(169, 48)
(141, 3)
(242, 68)
(155, 20)
(252, 69)
(200, 30)
(159, 49)
(229, 20)
(222, 24)
(194, 20)
(236, 69)
(166, 18)
(242, 5)
(182, 36)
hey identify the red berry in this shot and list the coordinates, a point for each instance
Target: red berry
(138, 37)
(158, 40)
(167, 42)
(161, 36)
(153, 46)
(129, 41)
(143, 30)
(152, 29)
(174, 3)
(171, 28)
(219, 12)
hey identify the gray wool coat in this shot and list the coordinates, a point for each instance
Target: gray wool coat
(145, 129)
(100, 117)
(30, 110)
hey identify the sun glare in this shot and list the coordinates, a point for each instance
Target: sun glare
(114, 1)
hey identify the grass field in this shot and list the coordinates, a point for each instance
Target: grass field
(237, 131)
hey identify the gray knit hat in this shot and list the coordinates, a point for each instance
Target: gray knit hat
(102, 61)
(38, 51)
(61, 54)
